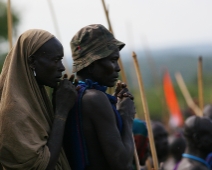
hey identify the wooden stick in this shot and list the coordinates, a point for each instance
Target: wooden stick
(148, 164)
(107, 16)
(9, 24)
(123, 75)
(200, 84)
(186, 95)
(137, 163)
(146, 112)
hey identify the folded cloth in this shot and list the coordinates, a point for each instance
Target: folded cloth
(26, 114)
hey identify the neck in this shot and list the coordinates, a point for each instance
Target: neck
(196, 152)
(82, 78)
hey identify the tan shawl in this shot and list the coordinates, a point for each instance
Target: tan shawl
(26, 114)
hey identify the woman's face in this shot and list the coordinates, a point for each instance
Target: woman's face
(48, 63)
(105, 71)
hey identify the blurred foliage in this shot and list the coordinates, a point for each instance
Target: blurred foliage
(156, 101)
(183, 59)
(3, 21)
(4, 28)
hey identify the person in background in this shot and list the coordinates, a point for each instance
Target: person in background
(198, 134)
(161, 141)
(207, 112)
(177, 145)
(141, 141)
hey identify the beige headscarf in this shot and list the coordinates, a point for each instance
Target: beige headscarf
(26, 114)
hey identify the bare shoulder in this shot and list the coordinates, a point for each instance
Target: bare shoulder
(94, 97)
(95, 101)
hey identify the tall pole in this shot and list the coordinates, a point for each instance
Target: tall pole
(9, 24)
(123, 75)
(200, 84)
(187, 96)
(107, 16)
(146, 112)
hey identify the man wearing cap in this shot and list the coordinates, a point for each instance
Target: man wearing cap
(98, 133)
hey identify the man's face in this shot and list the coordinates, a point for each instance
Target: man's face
(105, 71)
(48, 65)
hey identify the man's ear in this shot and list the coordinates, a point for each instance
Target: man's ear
(31, 61)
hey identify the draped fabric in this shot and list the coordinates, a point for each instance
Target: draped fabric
(74, 143)
(26, 114)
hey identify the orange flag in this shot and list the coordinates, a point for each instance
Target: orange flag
(176, 119)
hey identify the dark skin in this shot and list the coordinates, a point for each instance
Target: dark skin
(107, 148)
(199, 142)
(47, 63)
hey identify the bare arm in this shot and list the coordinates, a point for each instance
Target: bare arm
(117, 148)
(65, 99)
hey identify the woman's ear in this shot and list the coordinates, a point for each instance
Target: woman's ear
(31, 61)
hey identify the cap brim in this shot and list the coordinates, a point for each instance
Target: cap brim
(119, 44)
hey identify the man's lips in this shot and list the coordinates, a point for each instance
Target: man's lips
(115, 78)
(58, 78)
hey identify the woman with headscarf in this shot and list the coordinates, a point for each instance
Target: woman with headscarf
(31, 132)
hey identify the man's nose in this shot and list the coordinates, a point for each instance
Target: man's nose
(62, 67)
(118, 69)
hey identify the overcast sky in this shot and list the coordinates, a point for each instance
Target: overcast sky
(160, 23)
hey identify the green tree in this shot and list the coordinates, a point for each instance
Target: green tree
(4, 29)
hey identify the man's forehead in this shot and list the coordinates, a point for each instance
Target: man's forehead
(199, 124)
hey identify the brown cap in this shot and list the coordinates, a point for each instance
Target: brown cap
(91, 43)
